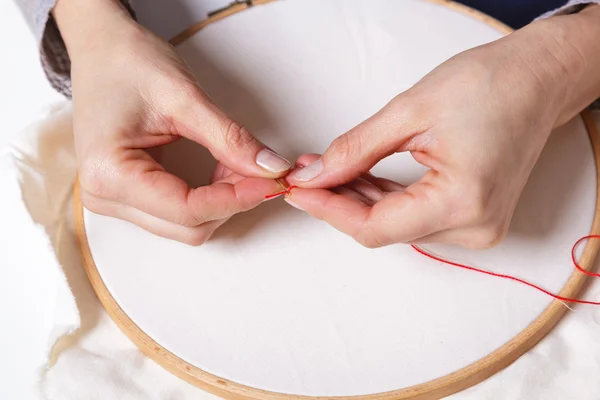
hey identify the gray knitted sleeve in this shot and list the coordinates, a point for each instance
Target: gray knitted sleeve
(53, 53)
(572, 7)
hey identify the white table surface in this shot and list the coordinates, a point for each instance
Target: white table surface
(24, 90)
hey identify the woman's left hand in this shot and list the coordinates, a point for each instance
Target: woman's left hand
(478, 122)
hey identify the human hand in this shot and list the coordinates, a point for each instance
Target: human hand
(478, 122)
(132, 92)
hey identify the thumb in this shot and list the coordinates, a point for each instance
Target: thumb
(229, 142)
(358, 150)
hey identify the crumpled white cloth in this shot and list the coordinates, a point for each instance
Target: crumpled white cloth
(59, 343)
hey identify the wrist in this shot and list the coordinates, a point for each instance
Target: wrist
(568, 60)
(86, 25)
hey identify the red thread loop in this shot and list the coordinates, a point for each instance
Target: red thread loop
(513, 278)
(574, 249)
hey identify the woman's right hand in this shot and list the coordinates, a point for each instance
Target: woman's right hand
(132, 92)
(478, 122)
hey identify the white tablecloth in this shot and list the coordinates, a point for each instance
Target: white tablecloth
(58, 341)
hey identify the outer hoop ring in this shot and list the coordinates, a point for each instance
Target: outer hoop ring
(434, 389)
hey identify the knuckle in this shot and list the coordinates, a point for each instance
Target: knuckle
(403, 105)
(197, 237)
(369, 239)
(473, 213)
(369, 242)
(488, 236)
(475, 206)
(198, 210)
(190, 90)
(346, 147)
(93, 178)
(237, 136)
(91, 204)
(187, 87)
(189, 95)
(412, 109)
(188, 220)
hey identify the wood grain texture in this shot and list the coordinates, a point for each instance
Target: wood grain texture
(233, 9)
(435, 389)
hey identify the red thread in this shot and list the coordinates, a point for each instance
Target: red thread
(513, 278)
(557, 297)
(287, 191)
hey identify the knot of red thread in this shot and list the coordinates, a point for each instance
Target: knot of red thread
(286, 191)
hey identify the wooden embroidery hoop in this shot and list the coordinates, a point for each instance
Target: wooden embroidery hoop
(434, 389)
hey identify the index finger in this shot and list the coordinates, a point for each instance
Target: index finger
(145, 185)
(400, 217)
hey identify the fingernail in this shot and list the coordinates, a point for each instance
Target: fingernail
(309, 172)
(291, 203)
(271, 161)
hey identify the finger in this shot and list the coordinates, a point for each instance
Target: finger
(193, 236)
(371, 187)
(142, 183)
(366, 189)
(221, 172)
(345, 213)
(343, 190)
(360, 149)
(306, 159)
(399, 217)
(231, 143)
(384, 184)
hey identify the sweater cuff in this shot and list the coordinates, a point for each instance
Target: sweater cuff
(53, 52)
(572, 7)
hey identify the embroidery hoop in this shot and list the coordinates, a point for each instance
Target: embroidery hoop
(439, 387)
